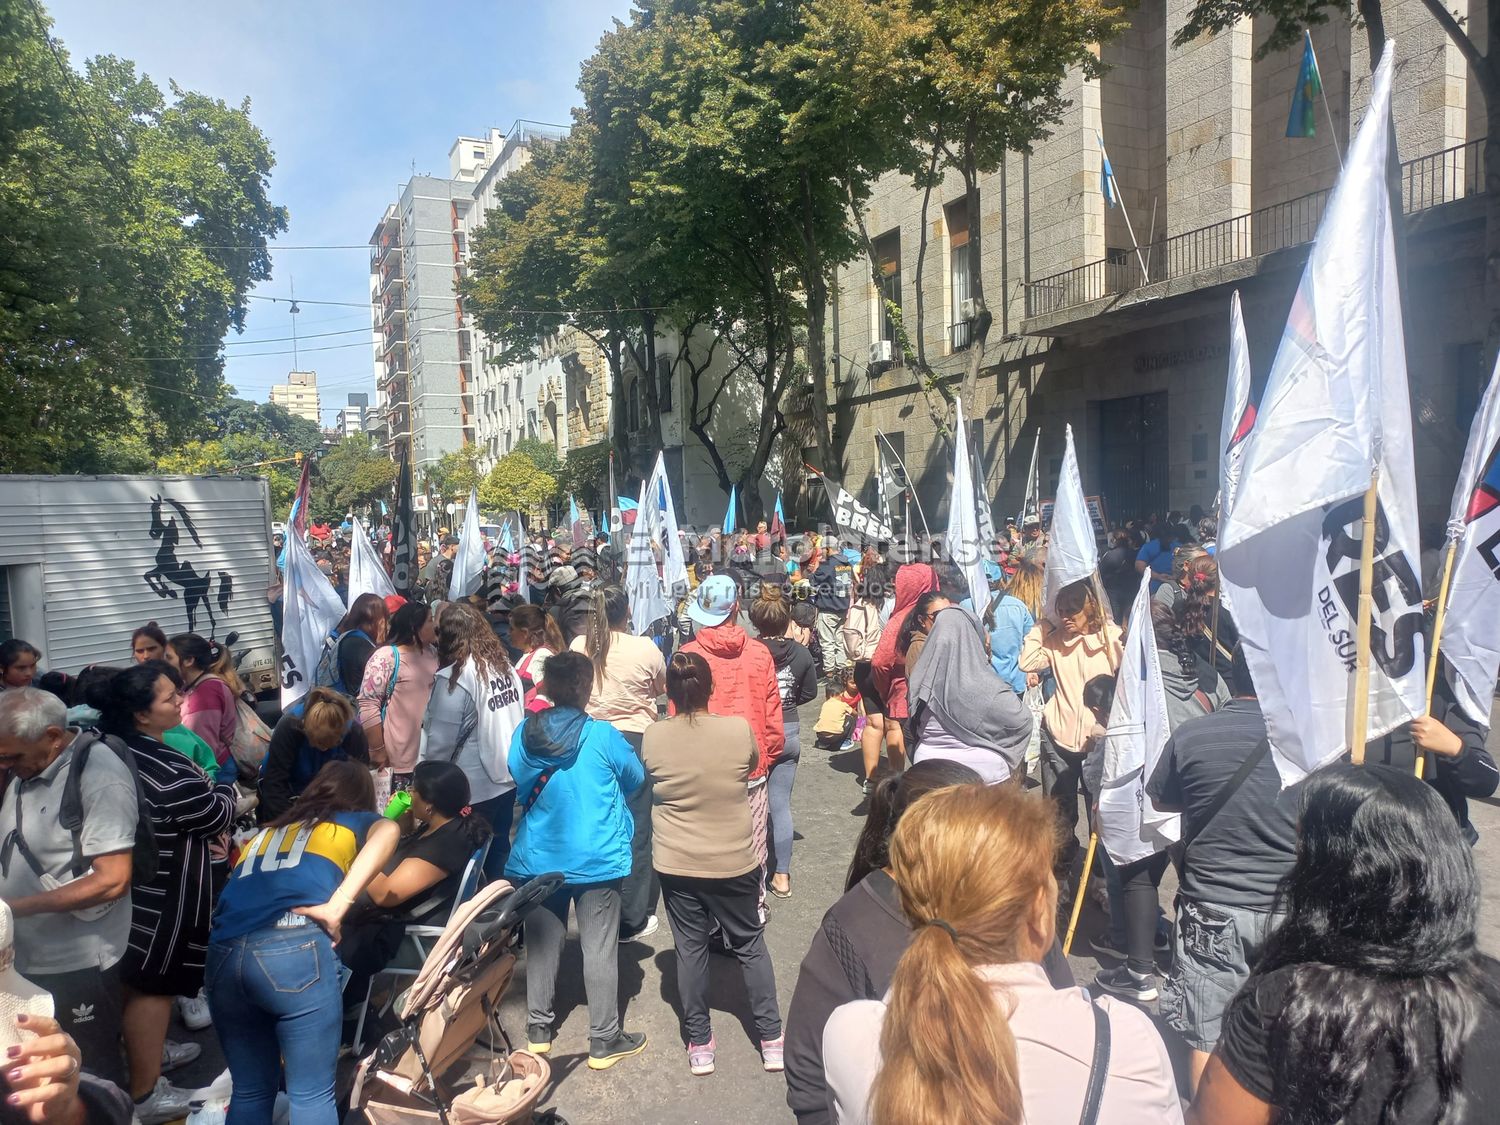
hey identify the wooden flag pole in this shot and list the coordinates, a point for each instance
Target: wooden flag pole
(1078, 895)
(1437, 637)
(1360, 720)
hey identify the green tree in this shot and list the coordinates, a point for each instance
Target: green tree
(516, 484)
(354, 474)
(453, 475)
(242, 453)
(135, 225)
(542, 455)
(265, 420)
(585, 474)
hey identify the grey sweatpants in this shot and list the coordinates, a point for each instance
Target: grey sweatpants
(597, 907)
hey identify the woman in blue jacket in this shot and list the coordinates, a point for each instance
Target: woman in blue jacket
(572, 774)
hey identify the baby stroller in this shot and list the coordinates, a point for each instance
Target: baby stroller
(416, 1074)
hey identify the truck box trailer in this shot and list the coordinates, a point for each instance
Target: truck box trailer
(86, 560)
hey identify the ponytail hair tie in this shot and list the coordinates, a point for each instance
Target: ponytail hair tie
(940, 924)
(467, 810)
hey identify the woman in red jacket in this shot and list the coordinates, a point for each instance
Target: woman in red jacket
(887, 669)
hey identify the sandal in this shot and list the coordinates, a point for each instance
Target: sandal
(780, 894)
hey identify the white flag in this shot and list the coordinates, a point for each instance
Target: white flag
(982, 501)
(1072, 552)
(1130, 827)
(1334, 410)
(655, 572)
(523, 566)
(1471, 627)
(470, 561)
(1031, 506)
(1239, 414)
(366, 575)
(310, 610)
(965, 547)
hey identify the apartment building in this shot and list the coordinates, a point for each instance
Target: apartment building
(351, 419)
(1125, 339)
(299, 395)
(423, 350)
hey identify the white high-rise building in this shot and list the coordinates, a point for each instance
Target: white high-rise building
(298, 395)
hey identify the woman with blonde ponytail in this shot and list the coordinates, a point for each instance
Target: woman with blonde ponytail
(971, 1029)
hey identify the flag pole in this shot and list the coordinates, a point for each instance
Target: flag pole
(1437, 637)
(909, 489)
(1360, 720)
(1078, 895)
(1124, 210)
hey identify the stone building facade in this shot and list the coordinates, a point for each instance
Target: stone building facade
(1131, 351)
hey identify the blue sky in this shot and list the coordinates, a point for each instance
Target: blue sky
(353, 96)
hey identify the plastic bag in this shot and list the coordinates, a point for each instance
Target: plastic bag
(1034, 703)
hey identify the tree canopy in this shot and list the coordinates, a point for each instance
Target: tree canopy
(135, 223)
(516, 484)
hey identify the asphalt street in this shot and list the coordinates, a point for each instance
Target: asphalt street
(655, 1086)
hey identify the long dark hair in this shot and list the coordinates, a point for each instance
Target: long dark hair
(893, 795)
(919, 609)
(1381, 908)
(366, 614)
(339, 787)
(128, 692)
(406, 623)
(445, 787)
(611, 610)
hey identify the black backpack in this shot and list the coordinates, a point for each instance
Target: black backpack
(145, 860)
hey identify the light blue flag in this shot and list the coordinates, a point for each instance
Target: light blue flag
(507, 541)
(727, 527)
(1106, 177)
(572, 510)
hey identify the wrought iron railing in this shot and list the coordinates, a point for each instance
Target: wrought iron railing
(1428, 181)
(960, 335)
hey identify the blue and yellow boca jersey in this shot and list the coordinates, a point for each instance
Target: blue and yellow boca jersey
(287, 867)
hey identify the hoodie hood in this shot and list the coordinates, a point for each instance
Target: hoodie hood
(781, 649)
(726, 641)
(554, 734)
(1173, 682)
(912, 581)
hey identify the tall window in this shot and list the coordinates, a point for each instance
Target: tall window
(633, 407)
(888, 260)
(960, 278)
(664, 383)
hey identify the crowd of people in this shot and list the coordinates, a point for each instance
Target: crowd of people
(1320, 953)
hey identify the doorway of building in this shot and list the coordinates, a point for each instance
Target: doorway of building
(1133, 455)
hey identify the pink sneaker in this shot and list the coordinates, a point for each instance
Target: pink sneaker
(701, 1057)
(772, 1052)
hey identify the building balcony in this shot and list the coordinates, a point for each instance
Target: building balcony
(1071, 295)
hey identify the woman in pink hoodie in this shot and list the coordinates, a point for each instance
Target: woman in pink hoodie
(888, 669)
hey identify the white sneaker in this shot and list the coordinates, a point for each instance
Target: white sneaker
(194, 1010)
(174, 1054)
(653, 924)
(165, 1103)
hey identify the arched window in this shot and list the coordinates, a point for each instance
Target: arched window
(633, 406)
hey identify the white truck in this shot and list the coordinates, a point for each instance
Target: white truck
(86, 560)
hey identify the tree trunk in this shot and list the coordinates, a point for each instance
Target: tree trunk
(815, 285)
(980, 330)
(648, 376)
(923, 371)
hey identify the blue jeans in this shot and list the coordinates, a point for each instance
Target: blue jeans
(779, 791)
(501, 813)
(276, 1000)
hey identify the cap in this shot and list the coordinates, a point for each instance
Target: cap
(563, 576)
(714, 600)
(393, 602)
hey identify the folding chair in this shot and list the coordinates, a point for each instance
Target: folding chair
(416, 943)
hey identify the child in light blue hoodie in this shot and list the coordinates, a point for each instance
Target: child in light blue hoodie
(572, 774)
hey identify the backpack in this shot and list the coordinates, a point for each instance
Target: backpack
(252, 738)
(145, 860)
(327, 673)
